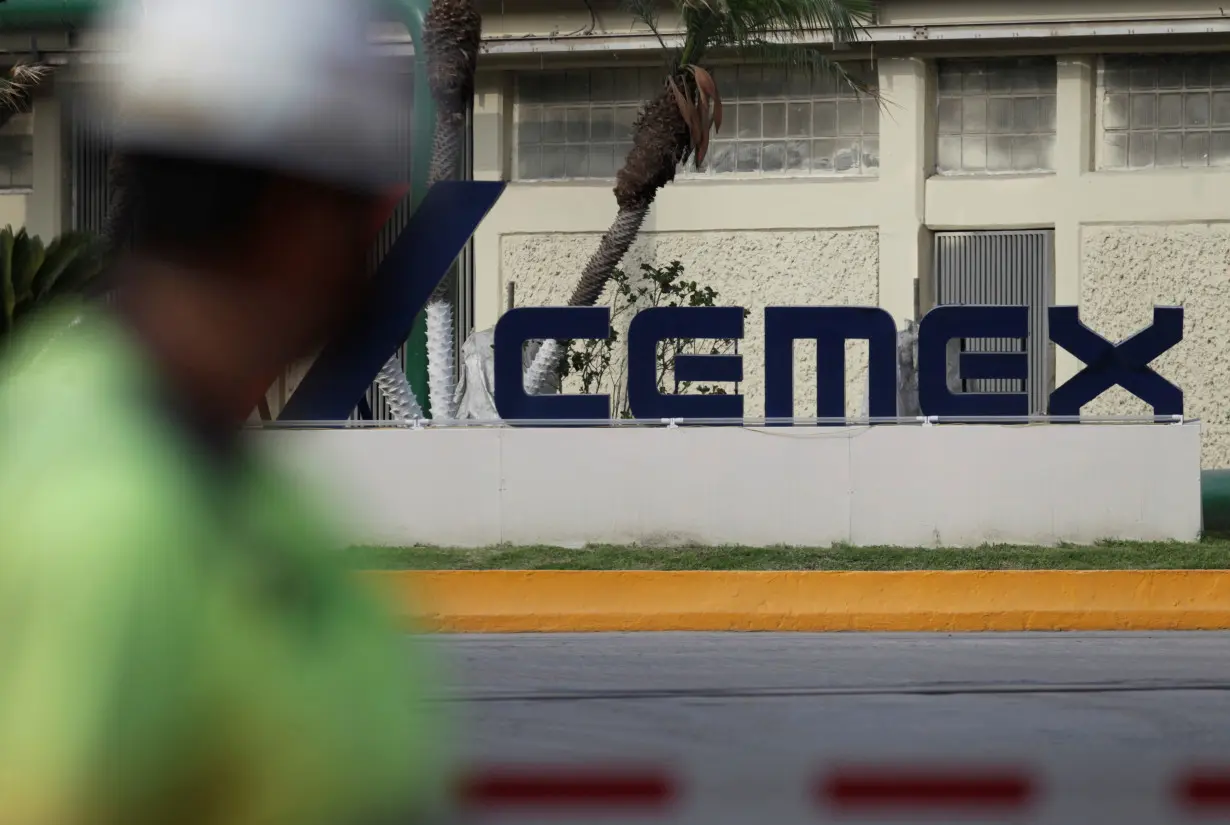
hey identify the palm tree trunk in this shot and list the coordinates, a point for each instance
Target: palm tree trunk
(452, 32)
(441, 357)
(611, 250)
(660, 142)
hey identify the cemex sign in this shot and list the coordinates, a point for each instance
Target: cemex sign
(1107, 364)
(452, 210)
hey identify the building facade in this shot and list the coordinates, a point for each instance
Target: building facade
(1026, 150)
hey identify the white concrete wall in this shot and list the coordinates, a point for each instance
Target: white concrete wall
(904, 486)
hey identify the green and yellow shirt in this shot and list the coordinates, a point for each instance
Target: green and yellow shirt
(178, 641)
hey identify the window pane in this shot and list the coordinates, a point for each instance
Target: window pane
(999, 154)
(1221, 108)
(773, 157)
(950, 116)
(750, 82)
(1144, 76)
(1169, 150)
(1140, 150)
(999, 114)
(948, 153)
(602, 123)
(974, 115)
(602, 85)
(576, 125)
(949, 80)
(1115, 151)
(625, 117)
(999, 102)
(747, 156)
(973, 154)
(576, 161)
(1219, 149)
(749, 120)
(529, 124)
(1046, 114)
(824, 119)
(1196, 109)
(1196, 149)
(553, 125)
(871, 153)
(529, 162)
(798, 156)
(774, 82)
(1169, 111)
(798, 119)
(722, 157)
(1144, 111)
(1115, 112)
(1025, 117)
(627, 85)
(773, 120)
(849, 117)
(847, 156)
(1175, 100)
(1026, 153)
(1196, 72)
(871, 117)
(1170, 75)
(552, 161)
(602, 161)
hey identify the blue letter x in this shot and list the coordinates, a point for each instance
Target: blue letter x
(420, 258)
(1125, 364)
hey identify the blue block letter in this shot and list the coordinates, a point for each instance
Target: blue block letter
(830, 328)
(652, 326)
(945, 323)
(1125, 364)
(516, 327)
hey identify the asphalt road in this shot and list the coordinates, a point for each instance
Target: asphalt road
(761, 712)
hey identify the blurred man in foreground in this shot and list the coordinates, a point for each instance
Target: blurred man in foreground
(176, 645)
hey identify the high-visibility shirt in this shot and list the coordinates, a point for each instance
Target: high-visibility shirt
(179, 643)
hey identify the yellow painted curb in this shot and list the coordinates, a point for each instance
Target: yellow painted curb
(510, 601)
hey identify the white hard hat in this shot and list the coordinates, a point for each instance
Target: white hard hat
(288, 85)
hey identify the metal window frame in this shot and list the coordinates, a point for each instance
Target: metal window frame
(986, 134)
(730, 101)
(1102, 98)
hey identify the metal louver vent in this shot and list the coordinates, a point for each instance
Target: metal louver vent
(1013, 268)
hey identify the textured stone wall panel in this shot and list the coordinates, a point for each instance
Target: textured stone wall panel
(1125, 271)
(748, 269)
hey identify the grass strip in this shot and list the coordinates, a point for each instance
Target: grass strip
(1212, 553)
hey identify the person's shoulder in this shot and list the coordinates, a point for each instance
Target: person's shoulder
(77, 465)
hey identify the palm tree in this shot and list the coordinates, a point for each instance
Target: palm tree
(675, 125)
(17, 88)
(452, 33)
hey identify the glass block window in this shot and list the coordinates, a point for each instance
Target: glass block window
(578, 124)
(17, 152)
(1162, 111)
(996, 116)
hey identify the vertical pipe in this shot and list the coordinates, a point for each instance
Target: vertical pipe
(412, 13)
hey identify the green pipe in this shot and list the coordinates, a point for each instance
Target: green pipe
(423, 126)
(1215, 500)
(31, 14)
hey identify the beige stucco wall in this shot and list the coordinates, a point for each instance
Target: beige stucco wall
(805, 267)
(1126, 271)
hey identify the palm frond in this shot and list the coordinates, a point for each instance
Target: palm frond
(816, 60)
(21, 80)
(844, 20)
